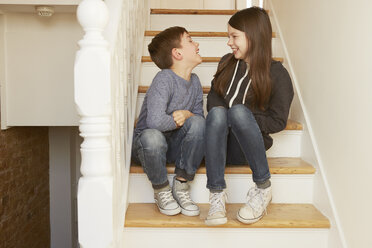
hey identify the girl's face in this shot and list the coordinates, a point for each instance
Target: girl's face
(238, 43)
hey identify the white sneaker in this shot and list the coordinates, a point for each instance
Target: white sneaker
(166, 203)
(217, 210)
(257, 201)
(181, 194)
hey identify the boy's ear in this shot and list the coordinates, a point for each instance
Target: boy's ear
(176, 54)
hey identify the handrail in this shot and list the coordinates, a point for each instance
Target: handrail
(107, 70)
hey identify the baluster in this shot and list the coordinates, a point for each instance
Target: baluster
(93, 101)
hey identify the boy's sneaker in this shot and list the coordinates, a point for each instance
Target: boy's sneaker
(181, 195)
(257, 201)
(217, 210)
(165, 201)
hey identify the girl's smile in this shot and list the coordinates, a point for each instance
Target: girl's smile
(238, 43)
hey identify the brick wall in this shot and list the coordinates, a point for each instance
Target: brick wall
(24, 188)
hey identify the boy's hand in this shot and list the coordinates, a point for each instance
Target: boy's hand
(180, 116)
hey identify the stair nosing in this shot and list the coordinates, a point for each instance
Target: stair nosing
(299, 168)
(279, 215)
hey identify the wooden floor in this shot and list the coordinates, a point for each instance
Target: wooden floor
(278, 216)
(276, 165)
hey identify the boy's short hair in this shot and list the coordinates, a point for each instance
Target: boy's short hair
(161, 46)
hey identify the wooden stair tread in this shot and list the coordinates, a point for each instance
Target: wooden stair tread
(205, 59)
(198, 34)
(195, 11)
(276, 165)
(278, 216)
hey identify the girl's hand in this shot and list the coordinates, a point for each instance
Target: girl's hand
(180, 116)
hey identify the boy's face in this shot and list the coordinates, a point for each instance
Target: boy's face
(189, 50)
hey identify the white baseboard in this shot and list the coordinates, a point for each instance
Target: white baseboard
(208, 23)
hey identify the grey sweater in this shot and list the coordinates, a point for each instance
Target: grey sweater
(169, 92)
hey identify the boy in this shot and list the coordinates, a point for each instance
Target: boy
(171, 123)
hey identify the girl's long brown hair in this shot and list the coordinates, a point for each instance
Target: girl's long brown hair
(255, 23)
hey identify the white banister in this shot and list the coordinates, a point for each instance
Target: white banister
(107, 71)
(93, 101)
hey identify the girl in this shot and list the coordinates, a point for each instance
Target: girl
(249, 99)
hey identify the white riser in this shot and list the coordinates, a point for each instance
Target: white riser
(224, 237)
(211, 23)
(214, 46)
(205, 72)
(192, 4)
(286, 188)
(287, 143)
(208, 23)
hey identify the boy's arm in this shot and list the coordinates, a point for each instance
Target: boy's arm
(198, 107)
(180, 116)
(158, 96)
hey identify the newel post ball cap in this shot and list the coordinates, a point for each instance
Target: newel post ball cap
(92, 14)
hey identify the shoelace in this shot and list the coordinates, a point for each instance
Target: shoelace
(255, 199)
(184, 197)
(165, 197)
(217, 201)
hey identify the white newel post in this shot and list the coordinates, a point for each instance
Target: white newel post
(93, 101)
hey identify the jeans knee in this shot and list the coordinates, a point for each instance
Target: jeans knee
(196, 125)
(152, 139)
(217, 117)
(240, 115)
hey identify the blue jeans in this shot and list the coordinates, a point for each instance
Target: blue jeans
(233, 136)
(184, 147)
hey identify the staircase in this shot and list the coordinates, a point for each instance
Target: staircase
(291, 221)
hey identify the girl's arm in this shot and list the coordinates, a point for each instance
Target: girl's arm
(214, 100)
(274, 119)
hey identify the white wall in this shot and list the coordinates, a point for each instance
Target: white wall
(39, 57)
(329, 45)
